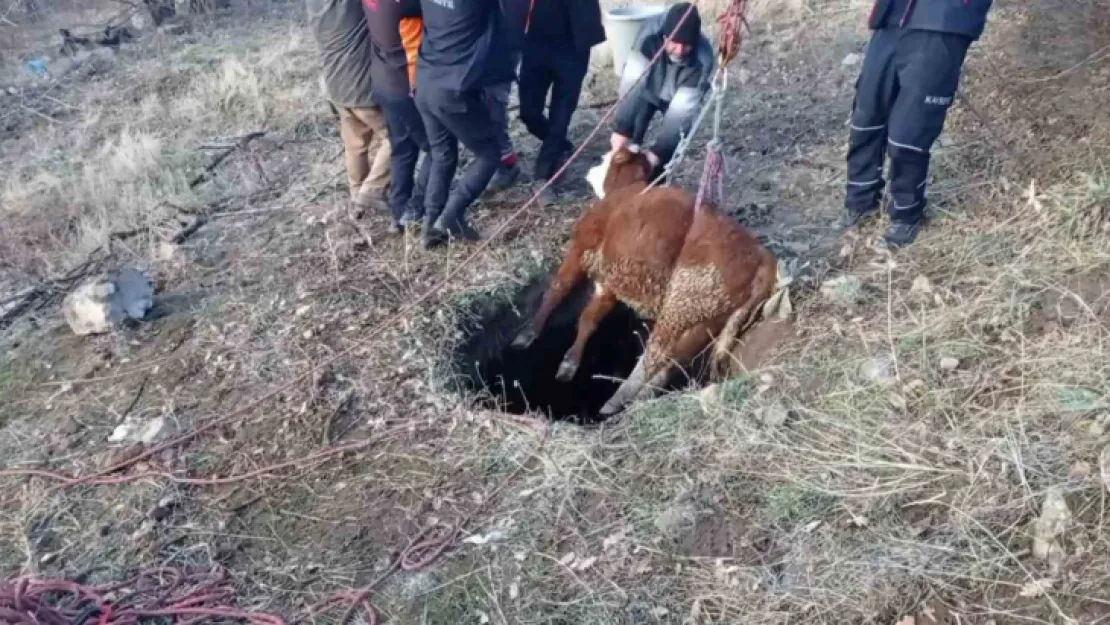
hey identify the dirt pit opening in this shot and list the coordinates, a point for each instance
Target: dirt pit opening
(522, 381)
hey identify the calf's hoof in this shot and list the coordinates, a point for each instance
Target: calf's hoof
(610, 408)
(567, 369)
(524, 338)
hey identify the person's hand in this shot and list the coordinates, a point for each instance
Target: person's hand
(653, 158)
(618, 141)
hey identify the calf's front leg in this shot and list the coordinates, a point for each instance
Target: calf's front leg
(569, 275)
(601, 303)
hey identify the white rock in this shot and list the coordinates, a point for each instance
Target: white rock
(949, 363)
(921, 285)
(878, 369)
(852, 60)
(124, 431)
(774, 415)
(156, 430)
(99, 304)
(1049, 526)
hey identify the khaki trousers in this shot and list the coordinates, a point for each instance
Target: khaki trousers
(358, 127)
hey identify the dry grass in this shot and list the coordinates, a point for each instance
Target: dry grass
(809, 491)
(122, 157)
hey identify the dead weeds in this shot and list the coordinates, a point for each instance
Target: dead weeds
(803, 491)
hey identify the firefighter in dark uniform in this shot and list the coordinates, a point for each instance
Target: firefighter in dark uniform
(909, 78)
(468, 46)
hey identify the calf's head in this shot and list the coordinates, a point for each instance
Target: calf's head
(620, 168)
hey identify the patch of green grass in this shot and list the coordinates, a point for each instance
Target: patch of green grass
(789, 505)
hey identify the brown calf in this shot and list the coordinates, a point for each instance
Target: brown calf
(696, 272)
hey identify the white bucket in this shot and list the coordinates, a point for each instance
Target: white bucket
(621, 27)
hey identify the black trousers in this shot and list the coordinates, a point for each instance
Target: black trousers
(558, 70)
(450, 117)
(407, 140)
(903, 94)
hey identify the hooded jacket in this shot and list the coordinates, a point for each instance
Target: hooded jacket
(958, 17)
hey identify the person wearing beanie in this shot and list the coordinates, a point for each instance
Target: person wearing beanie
(676, 85)
(909, 77)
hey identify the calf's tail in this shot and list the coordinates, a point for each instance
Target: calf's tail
(762, 286)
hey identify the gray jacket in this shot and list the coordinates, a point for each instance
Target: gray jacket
(343, 39)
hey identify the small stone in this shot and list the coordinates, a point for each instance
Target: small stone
(774, 415)
(123, 432)
(1050, 525)
(174, 28)
(1098, 427)
(99, 304)
(852, 60)
(170, 253)
(1080, 470)
(156, 431)
(897, 401)
(922, 285)
(878, 369)
(949, 363)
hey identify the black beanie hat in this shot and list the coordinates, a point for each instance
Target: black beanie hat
(690, 29)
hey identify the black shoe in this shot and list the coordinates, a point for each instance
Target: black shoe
(504, 178)
(541, 172)
(853, 216)
(545, 196)
(455, 230)
(902, 233)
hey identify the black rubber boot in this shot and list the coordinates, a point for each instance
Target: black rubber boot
(450, 225)
(902, 233)
(853, 216)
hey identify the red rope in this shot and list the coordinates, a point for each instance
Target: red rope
(163, 591)
(712, 178)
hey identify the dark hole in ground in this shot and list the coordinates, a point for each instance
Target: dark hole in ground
(519, 381)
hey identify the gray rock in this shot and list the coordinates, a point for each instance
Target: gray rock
(852, 60)
(99, 304)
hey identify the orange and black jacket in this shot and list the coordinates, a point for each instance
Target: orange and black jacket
(396, 28)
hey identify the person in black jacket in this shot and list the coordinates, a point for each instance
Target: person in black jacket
(675, 85)
(559, 35)
(910, 75)
(468, 46)
(391, 90)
